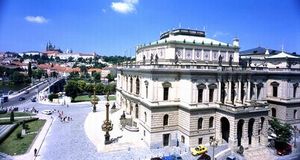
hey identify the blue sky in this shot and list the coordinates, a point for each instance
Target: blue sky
(115, 27)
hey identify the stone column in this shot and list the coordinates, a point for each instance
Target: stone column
(239, 99)
(206, 93)
(229, 91)
(248, 90)
(245, 140)
(219, 89)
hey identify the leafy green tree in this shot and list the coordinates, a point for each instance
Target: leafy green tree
(72, 90)
(283, 131)
(12, 116)
(89, 88)
(97, 76)
(81, 85)
(52, 96)
(70, 59)
(57, 59)
(80, 59)
(54, 74)
(17, 78)
(99, 88)
(83, 69)
(110, 88)
(29, 70)
(38, 73)
(110, 77)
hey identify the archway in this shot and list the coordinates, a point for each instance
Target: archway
(225, 128)
(250, 130)
(240, 131)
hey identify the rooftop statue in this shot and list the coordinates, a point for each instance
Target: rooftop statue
(156, 59)
(176, 59)
(151, 58)
(230, 60)
(249, 62)
(144, 59)
(220, 60)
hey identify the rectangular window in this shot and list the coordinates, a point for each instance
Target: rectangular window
(211, 138)
(166, 93)
(295, 91)
(199, 140)
(275, 90)
(200, 95)
(211, 95)
(146, 91)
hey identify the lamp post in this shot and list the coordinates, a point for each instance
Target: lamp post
(214, 143)
(107, 125)
(94, 100)
(295, 132)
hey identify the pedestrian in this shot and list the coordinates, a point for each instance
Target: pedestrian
(35, 152)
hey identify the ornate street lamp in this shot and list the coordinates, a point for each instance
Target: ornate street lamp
(94, 100)
(214, 143)
(107, 125)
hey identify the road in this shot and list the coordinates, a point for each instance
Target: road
(32, 92)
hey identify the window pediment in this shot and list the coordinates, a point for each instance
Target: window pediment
(275, 84)
(166, 84)
(201, 86)
(212, 86)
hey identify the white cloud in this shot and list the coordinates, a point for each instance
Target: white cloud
(125, 6)
(218, 34)
(36, 19)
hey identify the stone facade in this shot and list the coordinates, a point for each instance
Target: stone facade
(188, 99)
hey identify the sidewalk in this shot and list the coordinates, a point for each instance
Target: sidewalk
(38, 141)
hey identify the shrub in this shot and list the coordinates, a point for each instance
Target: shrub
(19, 135)
(52, 96)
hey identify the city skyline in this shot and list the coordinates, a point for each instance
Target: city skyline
(116, 27)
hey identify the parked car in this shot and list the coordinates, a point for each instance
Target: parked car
(205, 157)
(199, 150)
(21, 98)
(47, 112)
(33, 99)
(283, 148)
(27, 92)
(155, 158)
(172, 157)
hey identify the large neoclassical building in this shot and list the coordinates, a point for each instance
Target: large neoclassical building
(185, 89)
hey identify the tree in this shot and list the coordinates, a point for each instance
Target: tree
(70, 59)
(97, 76)
(17, 77)
(99, 88)
(29, 70)
(72, 89)
(81, 85)
(110, 88)
(12, 116)
(83, 69)
(89, 88)
(110, 77)
(283, 132)
(37, 73)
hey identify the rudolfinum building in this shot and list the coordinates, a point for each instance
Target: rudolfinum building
(185, 89)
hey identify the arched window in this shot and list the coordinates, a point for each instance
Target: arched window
(130, 84)
(166, 120)
(182, 139)
(166, 86)
(211, 122)
(145, 115)
(200, 120)
(136, 111)
(275, 88)
(295, 86)
(200, 87)
(137, 86)
(273, 110)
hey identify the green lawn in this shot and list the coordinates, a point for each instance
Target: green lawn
(17, 114)
(112, 98)
(16, 120)
(11, 145)
(83, 98)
